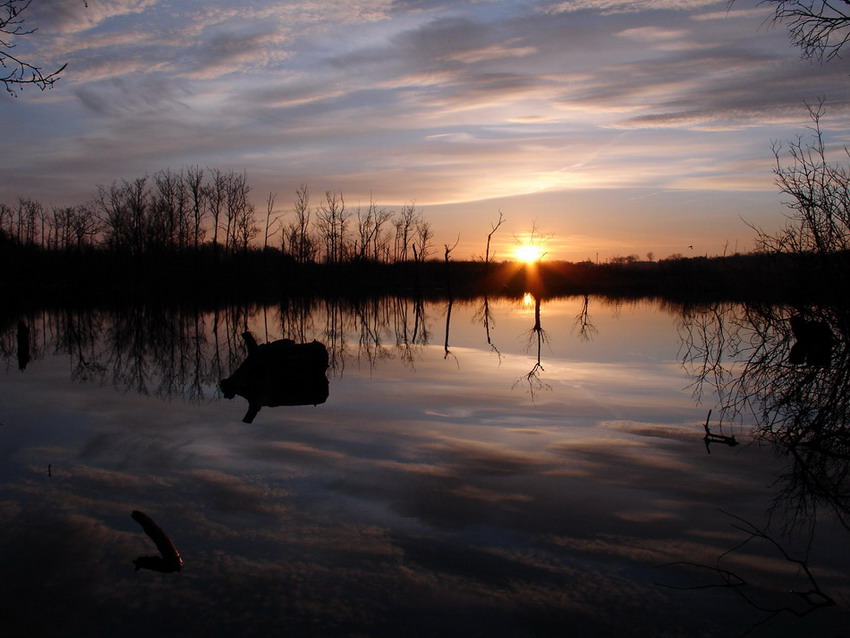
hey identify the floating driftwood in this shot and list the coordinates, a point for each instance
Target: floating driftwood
(710, 437)
(279, 373)
(169, 559)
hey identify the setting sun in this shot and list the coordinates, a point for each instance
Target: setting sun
(529, 253)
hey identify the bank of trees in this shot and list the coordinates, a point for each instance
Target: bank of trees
(28, 223)
(209, 210)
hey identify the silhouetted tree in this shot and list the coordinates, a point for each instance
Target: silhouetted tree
(16, 73)
(123, 210)
(169, 215)
(370, 242)
(270, 222)
(296, 240)
(404, 229)
(216, 194)
(332, 219)
(422, 240)
(820, 28)
(72, 228)
(25, 222)
(380, 242)
(198, 202)
(240, 221)
(819, 200)
(493, 229)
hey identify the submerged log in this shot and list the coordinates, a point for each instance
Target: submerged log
(279, 373)
(169, 559)
(710, 437)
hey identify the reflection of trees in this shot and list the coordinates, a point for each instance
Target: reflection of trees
(485, 316)
(148, 350)
(336, 323)
(786, 369)
(77, 333)
(409, 328)
(172, 352)
(23, 350)
(385, 327)
(751, 355)
(159, 351)
(371, 318)
(446, 350)
(536, 336)
(803, 598)
(583, 325)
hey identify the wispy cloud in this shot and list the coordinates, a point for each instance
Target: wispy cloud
(437, 102)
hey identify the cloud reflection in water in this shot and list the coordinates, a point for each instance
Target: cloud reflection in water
(425, 493)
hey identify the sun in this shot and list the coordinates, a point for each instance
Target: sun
(529, 253)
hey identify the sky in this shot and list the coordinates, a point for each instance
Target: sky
(608, 127)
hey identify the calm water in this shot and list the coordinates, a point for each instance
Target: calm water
(508, 468)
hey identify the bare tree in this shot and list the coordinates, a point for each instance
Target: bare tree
(198, 202)
(240, 222)
(16, 73)
(493, 229)
(369, 229)
(29, 213)
(537, 239)
(6, 220)
(241, 214)
(332, 219)
(169, 224)
(124, 212)
(405, 226)
(299, 243)
(380, 241)
(270, 222)
(72, 228)
(819, 200)
(820, 28)
(422, 241)
(216, 195)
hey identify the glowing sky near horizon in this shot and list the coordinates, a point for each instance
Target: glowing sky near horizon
(611, 127)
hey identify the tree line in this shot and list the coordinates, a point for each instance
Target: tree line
(181, 212)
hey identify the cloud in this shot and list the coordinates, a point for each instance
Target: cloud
(76, 16)
(229, 52)
(444, 102)
(230, 494)
(488, 458)
(490, 496)
(627, 6)
(653, 34)
(494, 52)
(120, 97)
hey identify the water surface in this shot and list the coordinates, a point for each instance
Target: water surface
(502, 467)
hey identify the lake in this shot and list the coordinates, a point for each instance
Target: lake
(494, 467)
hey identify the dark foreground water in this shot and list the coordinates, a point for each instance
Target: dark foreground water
(496, 468)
